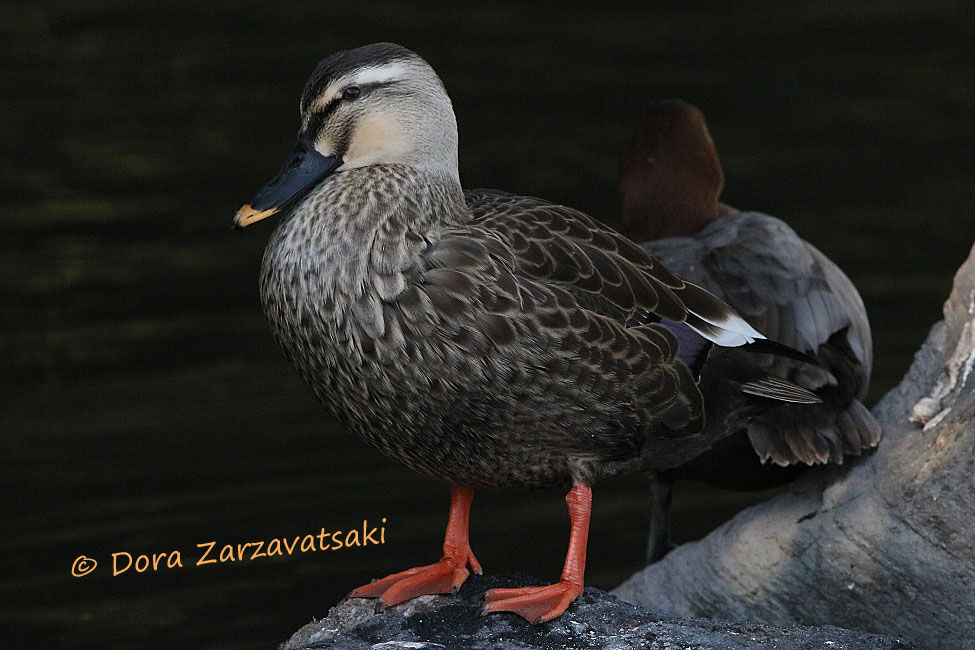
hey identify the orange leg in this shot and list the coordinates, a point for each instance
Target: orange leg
(542, 604)
(447, 575)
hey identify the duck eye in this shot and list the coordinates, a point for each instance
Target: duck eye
(351, 92)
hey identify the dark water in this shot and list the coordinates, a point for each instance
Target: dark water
(144, 407)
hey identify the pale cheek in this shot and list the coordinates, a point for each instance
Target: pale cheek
(325, 145)
(376, 139)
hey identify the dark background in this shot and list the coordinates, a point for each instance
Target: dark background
(144, 405)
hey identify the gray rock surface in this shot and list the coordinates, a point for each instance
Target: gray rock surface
(886, 544)
(595, 620)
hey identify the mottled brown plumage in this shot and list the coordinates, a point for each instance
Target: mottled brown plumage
(504, 342)
(447, 343)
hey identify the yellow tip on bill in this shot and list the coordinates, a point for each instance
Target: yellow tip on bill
(248, 215)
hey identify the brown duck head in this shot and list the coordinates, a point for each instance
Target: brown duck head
(670, 178)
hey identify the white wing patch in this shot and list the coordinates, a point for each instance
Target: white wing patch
(731, 331)
(725, 328)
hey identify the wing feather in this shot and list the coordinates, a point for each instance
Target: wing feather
(604, 271)
(625, 382)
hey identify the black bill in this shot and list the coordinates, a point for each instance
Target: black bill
(305, 168)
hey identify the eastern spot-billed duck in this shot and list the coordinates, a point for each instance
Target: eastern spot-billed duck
(489, 341)
(670, 183)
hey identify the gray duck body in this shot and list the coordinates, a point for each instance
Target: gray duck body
(414, 322)
(792, 292)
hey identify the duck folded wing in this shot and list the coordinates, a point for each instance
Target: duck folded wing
(538, 344)
(785, 288)
(794, 294)
(605, 271)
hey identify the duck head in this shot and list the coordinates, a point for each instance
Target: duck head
(376, 104)
(670, 178)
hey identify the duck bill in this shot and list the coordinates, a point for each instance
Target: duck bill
(303, 170)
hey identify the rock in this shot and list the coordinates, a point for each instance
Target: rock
(595, 620)
(885, 544)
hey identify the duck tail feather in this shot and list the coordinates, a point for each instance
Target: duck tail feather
(858, 427)
(768, 346)
(811, 435)
(780, 390)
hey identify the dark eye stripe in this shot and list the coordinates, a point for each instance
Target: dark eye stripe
(317, 119)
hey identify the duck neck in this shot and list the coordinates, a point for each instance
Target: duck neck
(396, 196)
(668, 199)
(362, 229)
